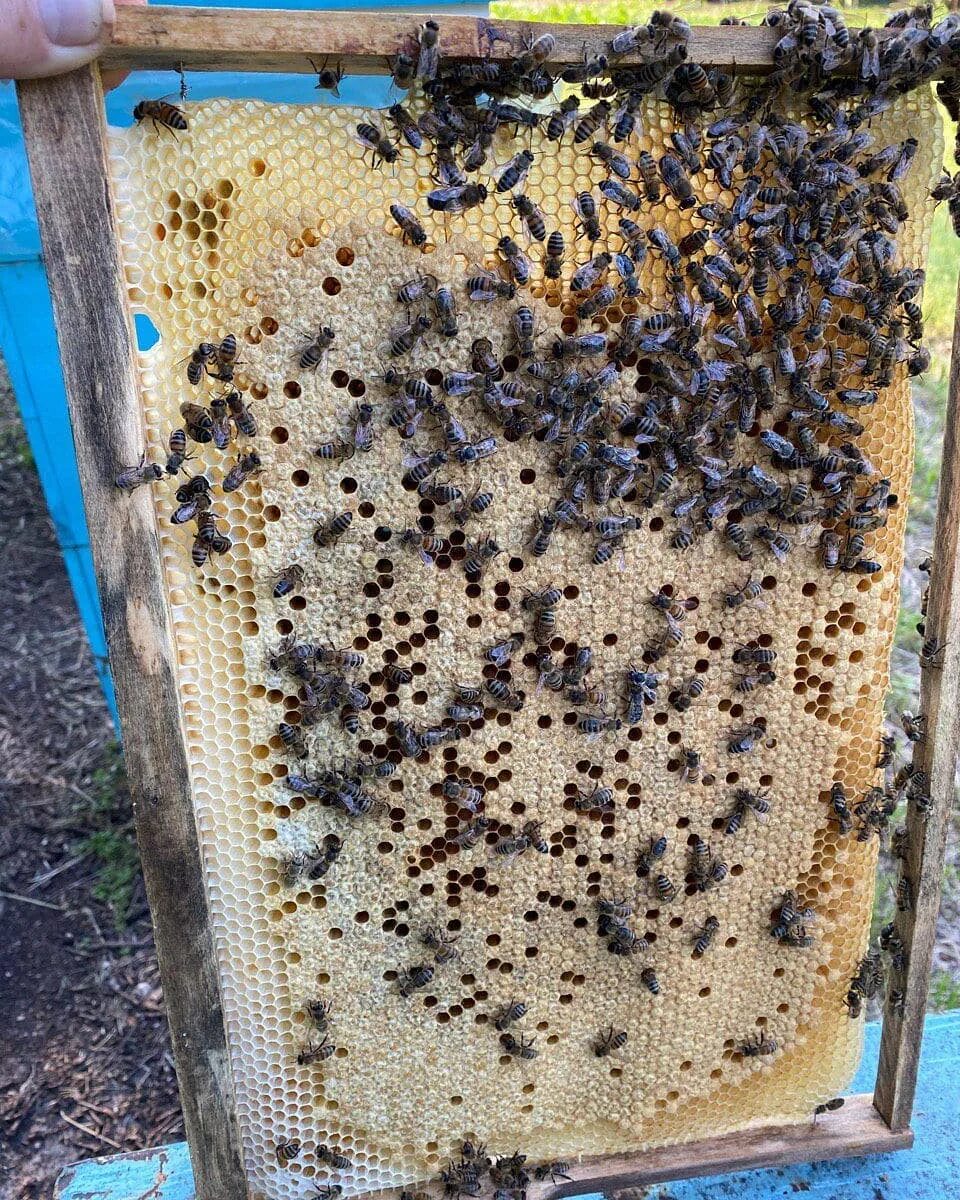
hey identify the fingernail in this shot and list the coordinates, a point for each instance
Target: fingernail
(75, 22)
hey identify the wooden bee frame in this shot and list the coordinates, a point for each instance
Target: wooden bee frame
(63, 120)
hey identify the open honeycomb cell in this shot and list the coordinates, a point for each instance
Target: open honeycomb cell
(263, 220)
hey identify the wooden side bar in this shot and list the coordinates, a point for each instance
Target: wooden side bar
(937, 755)
(65, 130)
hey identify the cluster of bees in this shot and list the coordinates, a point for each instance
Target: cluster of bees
(748, 426)
(223, 419)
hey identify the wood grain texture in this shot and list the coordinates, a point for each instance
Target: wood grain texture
(206, 39)
(937, 755)
(65, 134)
(854, 1130)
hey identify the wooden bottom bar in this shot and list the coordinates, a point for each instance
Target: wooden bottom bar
(854, 1130)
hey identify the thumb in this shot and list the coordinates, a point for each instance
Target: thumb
(46, 37)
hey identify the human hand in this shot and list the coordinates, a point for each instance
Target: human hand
(47, 37)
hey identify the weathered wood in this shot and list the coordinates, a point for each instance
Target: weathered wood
(218, 39)
(937, 755)
(853, 1130)
(65, 131)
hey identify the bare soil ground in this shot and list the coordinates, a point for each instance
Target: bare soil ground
(85, 1064)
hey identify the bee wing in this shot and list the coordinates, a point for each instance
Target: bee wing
(448, 199)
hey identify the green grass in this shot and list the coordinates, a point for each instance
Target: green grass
(944, 992)
(111, 842)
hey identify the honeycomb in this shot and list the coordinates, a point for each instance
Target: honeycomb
(263, 220)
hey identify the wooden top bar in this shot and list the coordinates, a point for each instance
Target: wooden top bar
(232, 39)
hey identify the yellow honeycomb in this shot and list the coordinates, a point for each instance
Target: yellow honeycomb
(262, 220)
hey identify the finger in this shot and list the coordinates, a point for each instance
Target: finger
(46, 37)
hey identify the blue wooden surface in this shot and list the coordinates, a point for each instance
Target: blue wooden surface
(930, 1171)
(27, 336)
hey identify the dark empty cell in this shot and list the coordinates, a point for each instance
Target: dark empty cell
(284, 626)
(515, 564)
(345, 256)
(300, 478)
(382, 534)
(356, 388)
(360, 643)
(279, 435)
(365, 509)
(473, 591)
(269, 326)
(331, 285)
(348, 485)
(371, 590)
(433, 376)
(339, 379)
(417, 639)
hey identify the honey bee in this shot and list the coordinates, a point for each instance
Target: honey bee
(292, 739)
(243, 418)
(648, 977)
(522, 1048)
(531, 216)
(508, 1014)
(500, 653)
(915, 727)
(331, 530)
(517, 262)
(330, 1158)
(703, 938)
(130, 478)
(553, 260)
(177, 446)
(328, 1191)
(691, 766)
(428, 58)
(311, 355)
(585, 206)
(319, 1013)
(609, 1040)
(751, 590)
(744, 740)
(162, 113)
(410, 228)
(403, 338)
(375, 140)
(414, 979)
(758, 1046)
(443, 946)
(286, 1152)
(457, 199)
(246, 466)
(316, 1053)
(513, 173)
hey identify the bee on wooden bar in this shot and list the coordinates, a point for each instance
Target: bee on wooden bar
(130, 478)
